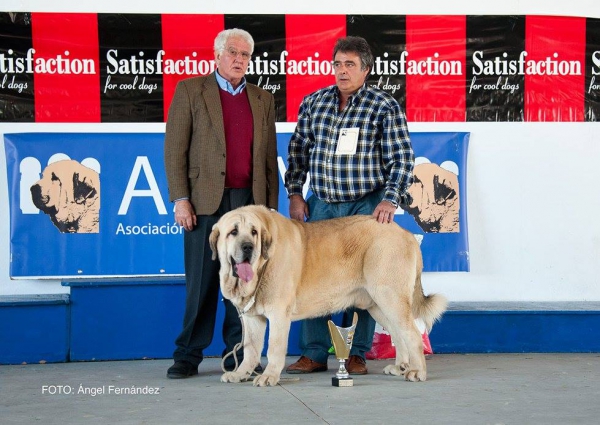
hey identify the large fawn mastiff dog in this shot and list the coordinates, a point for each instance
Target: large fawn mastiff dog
(281, 270)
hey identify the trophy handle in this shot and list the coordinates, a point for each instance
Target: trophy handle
(354, 320)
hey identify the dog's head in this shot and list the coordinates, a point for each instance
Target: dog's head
(434, 198)
(68, 192)
(241, 241)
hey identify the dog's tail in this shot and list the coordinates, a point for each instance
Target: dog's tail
(428, 308)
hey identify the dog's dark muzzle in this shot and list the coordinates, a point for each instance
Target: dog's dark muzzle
(247, 249)
(40, 201)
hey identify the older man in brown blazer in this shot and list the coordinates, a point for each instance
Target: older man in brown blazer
(220, 154)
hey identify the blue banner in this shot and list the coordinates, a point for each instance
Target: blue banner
(438, 212)
(135, 232)
(96, 205)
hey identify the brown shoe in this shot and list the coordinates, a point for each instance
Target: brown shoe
(306, 365)
(356, 365)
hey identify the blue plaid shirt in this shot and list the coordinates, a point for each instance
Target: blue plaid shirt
(384, 157)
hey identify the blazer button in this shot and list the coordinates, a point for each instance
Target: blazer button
(222, 173)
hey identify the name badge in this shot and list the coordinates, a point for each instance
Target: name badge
(347, 141)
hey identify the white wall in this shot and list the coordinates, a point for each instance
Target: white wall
(533, 191)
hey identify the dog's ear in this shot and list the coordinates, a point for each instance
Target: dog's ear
(82, 189)
(265, 242)
(442, 191)
(212, 240)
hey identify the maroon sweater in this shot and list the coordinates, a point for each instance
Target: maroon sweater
(239, 131)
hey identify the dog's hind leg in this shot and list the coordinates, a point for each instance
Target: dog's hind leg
(254, 336)
(401, 349)
(406, 336)
(405, 329)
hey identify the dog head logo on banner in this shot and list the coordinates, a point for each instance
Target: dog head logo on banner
(434, 194)
(69, 193)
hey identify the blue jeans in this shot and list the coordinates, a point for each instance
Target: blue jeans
(315, 340)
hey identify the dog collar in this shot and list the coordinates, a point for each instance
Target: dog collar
(248, 306)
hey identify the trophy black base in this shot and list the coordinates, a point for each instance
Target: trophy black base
(342, 382)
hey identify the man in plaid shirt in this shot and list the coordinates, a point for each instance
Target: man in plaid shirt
(352, 139)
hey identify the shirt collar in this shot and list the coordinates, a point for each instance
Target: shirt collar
(226, 85)
(359, 93)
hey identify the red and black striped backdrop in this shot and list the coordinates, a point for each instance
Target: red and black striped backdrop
(85, 67)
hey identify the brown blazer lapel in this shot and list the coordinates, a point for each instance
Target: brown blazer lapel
(257, 106)
(213, 104)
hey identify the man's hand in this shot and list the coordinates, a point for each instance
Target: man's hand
(185, 215)
(298, 208)
(384, 212)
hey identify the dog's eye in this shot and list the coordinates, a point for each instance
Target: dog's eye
(254, 232)
(53, 177)
(234, 232)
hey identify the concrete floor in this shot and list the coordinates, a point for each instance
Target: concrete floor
(461, 389)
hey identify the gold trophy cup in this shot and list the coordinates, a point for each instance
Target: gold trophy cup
(342, 342)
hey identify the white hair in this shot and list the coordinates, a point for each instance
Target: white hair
(223, 36)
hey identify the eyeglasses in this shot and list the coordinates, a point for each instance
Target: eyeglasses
(234, 54)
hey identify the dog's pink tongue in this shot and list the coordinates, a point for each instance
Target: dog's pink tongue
(244, 271)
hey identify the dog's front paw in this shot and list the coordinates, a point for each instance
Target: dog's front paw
(266, 380)
(396, 370)
(234, 377)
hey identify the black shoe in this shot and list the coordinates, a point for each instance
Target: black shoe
(182, 369)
